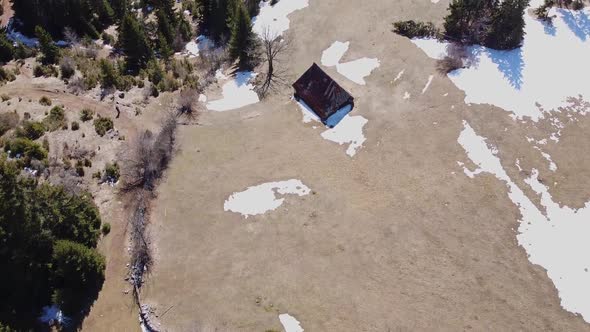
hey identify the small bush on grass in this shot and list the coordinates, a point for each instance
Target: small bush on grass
(106, 228)
(86, 115)
(413, 29)
(56, 119)
(5, 97)
(25, 149)
(8, 121)
(45, 71)
(75, 125)
(112, 172)
(6, 75)
(31, 130)
(45, 101)
(67, 67)
(102, 125)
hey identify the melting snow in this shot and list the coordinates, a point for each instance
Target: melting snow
(349, 130)
(530, 74)
(555, 241)
(399, 75)
(199, 44)
(406, 95)
(274, 18)
(262, 198)
(355, 70)
(290, 324)
(428, 83)
(332, 55)
(345, 128)
(52, 314)
(237, 92)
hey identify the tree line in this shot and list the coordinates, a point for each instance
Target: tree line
(47, 249)
(492, 23)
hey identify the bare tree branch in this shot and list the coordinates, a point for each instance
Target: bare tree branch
(275, 48)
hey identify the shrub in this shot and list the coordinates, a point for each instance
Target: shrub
(80, 171)
(577, 5)
(45, 101)
(67, 67)
(106, 228)
(26, 149)
(87, 162)
(6, 75)
(45, 71)
(56, 119)
(413, 29)
(5, 97)
(102, 125)
(31, 130)
(75, 125)
(8, 121)
(86, 114)
(112, 172)
(107, 39)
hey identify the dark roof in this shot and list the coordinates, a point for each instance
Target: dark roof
(320, 92)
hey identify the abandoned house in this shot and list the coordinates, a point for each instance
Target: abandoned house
(321, 93)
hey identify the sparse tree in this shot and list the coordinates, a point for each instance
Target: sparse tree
(274, 48)
(188, 102)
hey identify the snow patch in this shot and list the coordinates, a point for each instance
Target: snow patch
(343, 127)
(407, 95)
(290, 324)
(332, 55)
(349, 130)
(527, 77)
(274, 18)
(237, 92)
(555, 240)
(427, 83)
(52, 314)
(263, 198)
(357, 70)
(199, 44)
(399, 75)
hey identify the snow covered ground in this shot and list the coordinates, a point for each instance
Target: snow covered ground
(263, 198)
(346, 129)
(355, 70)
(52, 314)
(274, 18)
(199, 44)
(290, 324)
(555, 240)
(237, 92)
(547, 69)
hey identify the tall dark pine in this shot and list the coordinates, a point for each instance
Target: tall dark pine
(507, 28)
(134, 42)
(242, 37)
(48, 48)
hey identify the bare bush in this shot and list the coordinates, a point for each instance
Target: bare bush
(274, 49)
(212, 59)
(148, 156)
(188, 102)
(77, 85)
(456, 58)
(67, 67)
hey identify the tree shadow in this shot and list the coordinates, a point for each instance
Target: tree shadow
(510, 63)
(578, 22)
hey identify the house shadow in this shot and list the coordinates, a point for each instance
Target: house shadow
(510, 63)
(335, 118)
(578, 22)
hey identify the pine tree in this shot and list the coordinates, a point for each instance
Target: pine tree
(507, 27)
(48, 48)
(133, 41)
(6, 48)
(242, 38)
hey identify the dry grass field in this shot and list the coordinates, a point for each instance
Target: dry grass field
(396, 238)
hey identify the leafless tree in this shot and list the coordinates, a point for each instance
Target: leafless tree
(148, 156)
(188, 104)
(274, 48)
(457, 57)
